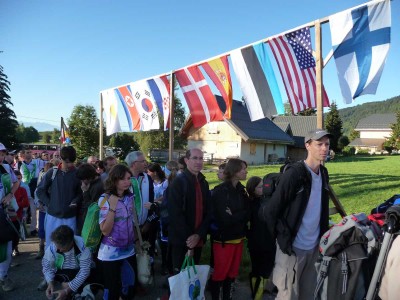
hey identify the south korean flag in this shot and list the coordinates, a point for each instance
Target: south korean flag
(146, 105)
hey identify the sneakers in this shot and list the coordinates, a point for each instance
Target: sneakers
(15, 252)
(7, 284)
(42, 285)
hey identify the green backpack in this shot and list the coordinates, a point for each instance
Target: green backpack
(91, 232)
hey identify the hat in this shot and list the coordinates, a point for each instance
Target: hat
(316, 134)
(12, 152)
(2, 148)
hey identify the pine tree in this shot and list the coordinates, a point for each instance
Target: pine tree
(8, 122)
(334, 125)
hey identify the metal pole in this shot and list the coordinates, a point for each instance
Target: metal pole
(379, 266)
(101, 156)
(171, 116)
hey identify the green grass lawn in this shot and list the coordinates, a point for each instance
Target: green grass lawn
(360, 183)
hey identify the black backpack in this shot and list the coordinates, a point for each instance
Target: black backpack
(348, 253)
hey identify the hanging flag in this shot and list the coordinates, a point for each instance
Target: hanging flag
(261, 51)
(125, 96)
(361, 41)
(202, 104)
(159, 86)
(65, 139)
(218, 70)
(293, 53)
(253, 83)
(110, 107)
(145, 105)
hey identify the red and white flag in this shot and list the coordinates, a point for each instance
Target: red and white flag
(201, 102)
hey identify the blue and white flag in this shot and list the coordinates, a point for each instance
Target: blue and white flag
(361, 40)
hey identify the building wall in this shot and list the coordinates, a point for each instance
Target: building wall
(221, 141)
(216, 138)
(375, 134)
(260, 153)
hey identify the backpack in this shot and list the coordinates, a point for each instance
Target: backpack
(91, 232)
(270, 182)
(348, 253)
(382, 208)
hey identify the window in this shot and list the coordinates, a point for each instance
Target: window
(253, 148)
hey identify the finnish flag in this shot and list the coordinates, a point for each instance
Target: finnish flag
(361, 40)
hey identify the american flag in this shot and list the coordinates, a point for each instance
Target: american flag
(293, 53)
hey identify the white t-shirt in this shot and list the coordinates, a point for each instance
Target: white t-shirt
(308, 235)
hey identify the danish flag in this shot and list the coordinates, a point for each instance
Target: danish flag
(201, 102)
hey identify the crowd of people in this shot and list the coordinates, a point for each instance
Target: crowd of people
(172, 207)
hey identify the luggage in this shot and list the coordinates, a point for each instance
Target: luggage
(348, 255)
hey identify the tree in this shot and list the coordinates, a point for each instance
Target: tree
(308, 112)
(8, 122)
(27, 134)
(333, 125)
(55, 136)
(124, 143)
(354, 134)
(84, 130)
(46, 137)
(394, 140)
(160, 139)
(343, 142)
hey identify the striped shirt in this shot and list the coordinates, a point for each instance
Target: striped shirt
(81, 261)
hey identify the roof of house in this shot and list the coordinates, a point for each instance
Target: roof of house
(262, 130)
(299, 125)
(377, 121)
(365, 142)
(296, 126)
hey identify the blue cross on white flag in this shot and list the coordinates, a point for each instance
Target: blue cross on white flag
(361, 40)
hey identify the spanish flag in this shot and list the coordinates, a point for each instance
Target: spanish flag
(218, 70)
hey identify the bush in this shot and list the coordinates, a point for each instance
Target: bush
(362, 152)
(348, 151)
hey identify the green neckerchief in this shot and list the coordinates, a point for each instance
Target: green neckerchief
(28, 175)
(138, 197)
(6, 181)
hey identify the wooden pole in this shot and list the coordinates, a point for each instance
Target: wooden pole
(319, 77)
(61, 130)
(101, 156)
(171, 116)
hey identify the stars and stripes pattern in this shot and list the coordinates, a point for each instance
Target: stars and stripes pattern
(293, 53)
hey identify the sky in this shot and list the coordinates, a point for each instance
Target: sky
(62, 53)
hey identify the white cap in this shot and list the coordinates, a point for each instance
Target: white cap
(2, 148)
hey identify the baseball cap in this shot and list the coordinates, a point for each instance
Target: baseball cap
(2, 148)
(316, 134)
(12, 152)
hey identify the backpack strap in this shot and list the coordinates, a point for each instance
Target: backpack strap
(345, 272)
(55, 170)
(323, 272)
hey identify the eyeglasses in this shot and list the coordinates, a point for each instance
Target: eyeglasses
(140, 161)
(200, 158)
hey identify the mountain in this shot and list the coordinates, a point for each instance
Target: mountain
(351, 115)
(41, 126)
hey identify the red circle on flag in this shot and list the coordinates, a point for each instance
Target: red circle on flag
(147, 105)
